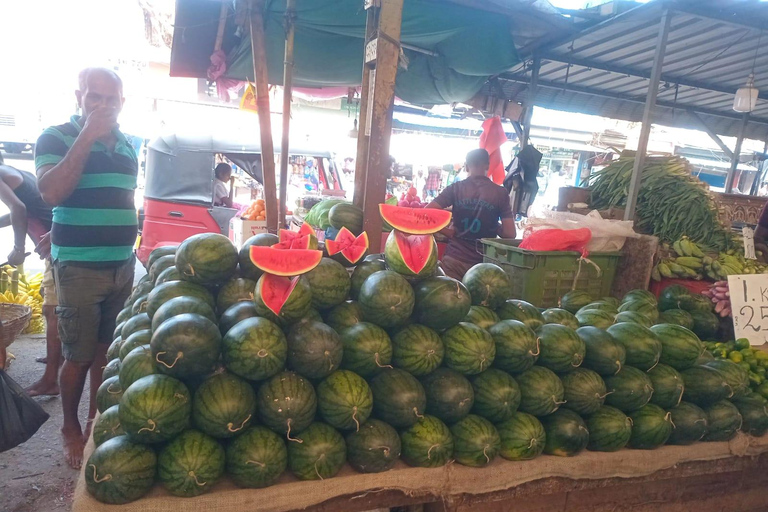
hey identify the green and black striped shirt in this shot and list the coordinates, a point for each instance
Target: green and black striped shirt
(97, 224)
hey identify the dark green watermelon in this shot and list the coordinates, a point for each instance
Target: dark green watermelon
(427, 444)
(256, 458)
(344, 315)
(169, 274)
(643, 307)
(600, 305)
(179, 305)
(541, 391)
(296, 306)
(642, 346)
(160, 264)
(186, 345)
(651, 427)
(247, 268)
(344, 400)
(566, 433)
(723, 421)
(690, 423)
(398, 398)
(633, 317)
(107, 426)
(286, 403)
(111, 369)
(705, 324)
(330, 284)
(319, 453)
(639, 294)
(113, 351)
(137, 364)
(164, 292)
(190, 464)
(386, 299)
(255, 349)
(522, 437)
(155, 408)
(697, 303)
(628, 390)
(314, 349)
(575, 300)
(110, 393)
(560, 316)
(139, 304)
(609, 429)
(705, 385)
(223, 405)
(124, 315)
(159, 252)
(234, 314)
(367, 349)
(667, 386)
(450, 396)
(237, 289)
(736, 376)
(476, 441)
(206, 259)
(135, 340)
(441, 302)
(469, 349)
(561, 348)
(604, 354)
(680, 347)
(488, 285)
(361, 273)
(754, 414)
(584, 391)
(120, 471)
(522, 312)
(135, 323)
(417, 349)
(497, 395)
(674, 297)
(374, 448)
(517, 346)
(481, 316)
(678, 317)
(595, 318)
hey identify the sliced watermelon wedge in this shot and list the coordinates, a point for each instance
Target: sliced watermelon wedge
(415, 252)
(299, 242)
(285, 263)
(415, 221)
(305, 238)
(351, 247)
(276, 290)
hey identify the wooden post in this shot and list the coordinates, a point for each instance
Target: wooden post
(222, 25)
(736, 155)
(262, 102)
(290, 30)
(385, 50)
(361, 160)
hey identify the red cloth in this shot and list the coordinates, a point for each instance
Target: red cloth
(557, 240)
(491, 139)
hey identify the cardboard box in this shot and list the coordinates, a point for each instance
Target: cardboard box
(241, 230)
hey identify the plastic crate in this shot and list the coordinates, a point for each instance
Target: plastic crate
(542, 277)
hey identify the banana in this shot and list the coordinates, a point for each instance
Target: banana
(690, 262)
(696, 250)
(664, 270)
(656, 273)
(677, 269)
(685, 245)
(678, 248)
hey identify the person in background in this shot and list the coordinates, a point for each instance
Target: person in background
(433, 182)
(420, 183)
(87, 169)
(30, 215)
(478, 204)
(223, 174)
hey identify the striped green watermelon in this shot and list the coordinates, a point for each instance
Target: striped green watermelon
(256, 458)
(521, 311)
(295, 306)
(604, 354)
(705, 385)
(680, 347)
(638, 295)
(541, 391)
(584, 391)
(206, 258)
(190, 464)
(135, 340)
(330, 284)
(481, 316)
(237, 289)
(691, 423)
(609, 429)
(567, 434)
(141, 289)
(642, 346)
(134, 324)
(754, 414)
(120, 471)
(111, 369)
(186, 345)
(164, 292)
(234, 314)
(522, 437)
(595, 318)
(159, 252)
(319, 453)
(574, 300)
(386, 299)
(344, 400)
(651, 427)
(124, 315)
(223, 405)
(255, 349)
(361, 273)
(497, 395)
(169, 274)
(476, 441)
(155, 409)
(398, 398)
(286, 403)
(110, 393)
(113, 351)
(119, 330)
(667, 386)
(411, 255)
(488, 285)
(469, 349)
(561, 348)
(633, 317)
(441, 302)
(179, 305)
(314, 349)
(160, 264)
(517, 346)
(678, 317)
(344, 315)
(107, 426)
(723, 421)
(643, 307)
(560, 316)
(417, 349)
(600, 305)
(139, 305)
(736, 376)
(374, 448)
(611, 300)
(427, 444)
(450, 396)
(247, 268)
(628, 390)
(705, 324)
(367, 349)
(139, 363)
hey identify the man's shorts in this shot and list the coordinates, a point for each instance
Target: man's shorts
(455, 268)
(89, 301)
(48, 286)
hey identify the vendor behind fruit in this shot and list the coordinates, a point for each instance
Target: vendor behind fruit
(223, 173)
(478, 204)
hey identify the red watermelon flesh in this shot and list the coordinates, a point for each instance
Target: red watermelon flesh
(284, 263)
(416, 250)
(305, 238)
(275, 291)
(350, 246)
(415, 221)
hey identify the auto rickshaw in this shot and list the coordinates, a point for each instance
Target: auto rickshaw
(178, 195)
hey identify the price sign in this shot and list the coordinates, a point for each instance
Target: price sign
(749, 307)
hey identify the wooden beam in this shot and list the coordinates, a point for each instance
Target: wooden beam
(290, 31)
(258, 48)
(712, 135)
(222, 25)
(361, 160)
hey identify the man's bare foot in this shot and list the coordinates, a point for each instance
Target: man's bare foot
(43, 360)
(88, 428)
(41, 388)
(73, 448)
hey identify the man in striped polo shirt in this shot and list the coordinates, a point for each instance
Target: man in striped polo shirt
(87, 170)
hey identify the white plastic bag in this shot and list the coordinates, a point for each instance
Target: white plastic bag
(607, 235)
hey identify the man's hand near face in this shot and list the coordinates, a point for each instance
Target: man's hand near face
(100, 123)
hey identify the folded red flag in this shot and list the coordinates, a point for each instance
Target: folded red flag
(491, 139)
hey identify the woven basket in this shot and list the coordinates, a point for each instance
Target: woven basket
(14, 318)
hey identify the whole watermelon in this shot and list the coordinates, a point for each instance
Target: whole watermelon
(595, 318)
(441, 302)
(314, 349)
(111, 369)
(584, 391)
(428, 443)
(705, 385)
(186, 345)
(541, 391)
(374, 448)
(120, 471)
(628, 390)
(705, 324)
(633, 317)
(137, 364)
(488, 285)
(123, 315)
(107, 426)
(574, 300)
(237, 289)
(190, 464)
(566, 433)
(754, 414)
(110, 393)
(169, 274)
(319, 453)
(609, 429)
(678, 317)
(643, 307)
(417, 349)
(113, 351)
(642, 346)
(386, 299)
(155, 408)
(367, 349)
(159, 252)
(330, 284)
(604, 354)
(522, 437)
(140, 304)
(286, 403)
(296, 306)
(346, 215)
(521, 311)
(135, 340)
(361, 273)
(667, 386)
(601, 305)
(134, 324)
(674, 297)
(561, 348)
(481, 316)
(680, 347)
(247, 268)
(344, 400)
(517, 346)
(206, 258)
(723, 421)
(736, 376)
(450, 396)
(497, 395)
(468, 348)
(223, 405)
(651, 427)
(255, 349)
(398, 398)
(560, 316)
(234, 314)
(164, 292)
(344, 315)
(159, 265)
(638, 295)
(179, 305)
(690, 423)
(256, 458)
(476, 441)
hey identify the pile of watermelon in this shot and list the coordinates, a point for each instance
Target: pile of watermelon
(276, 359)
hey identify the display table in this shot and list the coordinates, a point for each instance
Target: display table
(714, 476)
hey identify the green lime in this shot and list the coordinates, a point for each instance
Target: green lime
(745, 365)
(746, 352)
(742, 343)
(762, 389)
(719, 345)
(736, 357)
(760, 371)
(759, 354)
(755, 379)
(720, 353)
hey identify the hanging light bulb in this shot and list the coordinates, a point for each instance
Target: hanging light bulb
(746, 97)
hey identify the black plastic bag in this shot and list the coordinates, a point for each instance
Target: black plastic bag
(20, 415)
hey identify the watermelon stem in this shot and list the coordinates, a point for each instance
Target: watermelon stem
(429, 452)
(668, 417)
(485, 454)
(109, 390)
(538, 348)
(416, 412)
(179, 355)
(376, 359)
(354, 418)
(316, 471)
(229, 425)
(260, 464)
(288, 434)
(152, 423)
(96, 479)
(533, 442)
(194, 477)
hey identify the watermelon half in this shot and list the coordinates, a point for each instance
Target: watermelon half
(285, 263)
(352, 248)
(415, 221)
(411, 255)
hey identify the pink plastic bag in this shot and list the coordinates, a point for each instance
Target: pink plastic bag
(558, 240)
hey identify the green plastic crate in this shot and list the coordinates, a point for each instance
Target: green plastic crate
(542, 277)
